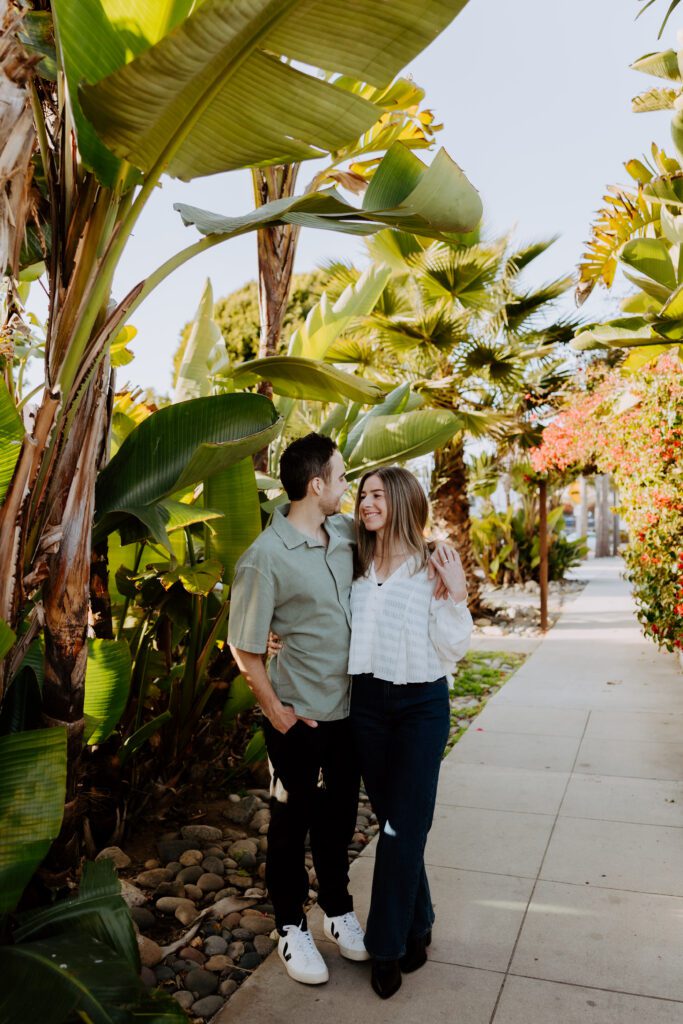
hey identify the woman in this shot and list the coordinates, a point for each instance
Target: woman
(403, 642)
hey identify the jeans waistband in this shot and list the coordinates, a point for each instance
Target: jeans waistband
(368, 677)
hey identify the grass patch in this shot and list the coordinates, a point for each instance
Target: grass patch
(480, 674)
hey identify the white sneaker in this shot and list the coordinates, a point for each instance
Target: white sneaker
(346, 931)
(301, 958)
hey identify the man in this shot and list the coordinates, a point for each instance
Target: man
(295, 580)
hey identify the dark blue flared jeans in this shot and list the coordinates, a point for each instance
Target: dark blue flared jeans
(400, 733)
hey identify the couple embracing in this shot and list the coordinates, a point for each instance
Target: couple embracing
(369, 620)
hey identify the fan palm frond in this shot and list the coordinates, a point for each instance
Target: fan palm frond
(517, 261)
(440, 328)
(466, 274)
(626, 215)
(523, 308)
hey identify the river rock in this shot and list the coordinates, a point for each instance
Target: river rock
(207, 1006)
(210, 882)
(236, 950)
(219, 963)
(193, 892)
(169, 904)
(171, 849)
(250, 961)
(204, 833)
(243, 934)
(264, 945)
(214, 865)
(187, 913)
(227, 987)
(184, 998)
(151, 953)
(215, 944)
(189, 874)
(191, 858)
(143, 918)
(174, 888)
(262, 817)
(116, 855)
(148, 977)
(257, 924)
(153, 877)
(255, 893)
(242, 812)
(190, 953)
(202, 982)
(241, 881)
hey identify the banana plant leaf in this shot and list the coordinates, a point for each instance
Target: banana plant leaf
(325, 322)
(396, 438)
(196, 579)
(7, 638)
(11, 437)
(235, 491)
(33, 773)
(650, 256)
(216, 94)
(98, 39)
(107, 684)
(616, 336)
(75, 976)
(295, 377)
(193, 380)
(394, 403)
(256, 749)
(133, 743)
(98, 908)
(175, 448)
(404, 193)
(240, 698)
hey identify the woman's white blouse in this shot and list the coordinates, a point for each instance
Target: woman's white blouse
(400, 632)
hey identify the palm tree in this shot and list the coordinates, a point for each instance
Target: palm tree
(457, 323)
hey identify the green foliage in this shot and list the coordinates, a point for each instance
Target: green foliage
(78, 959)
(479, 676)
(507, 546)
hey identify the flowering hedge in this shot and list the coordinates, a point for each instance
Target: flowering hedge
(632, 428)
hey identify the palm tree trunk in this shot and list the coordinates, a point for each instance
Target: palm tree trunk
(276, 250)
(451, 511)
(66, 598)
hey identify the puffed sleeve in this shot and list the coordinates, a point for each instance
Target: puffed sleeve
(450, 629)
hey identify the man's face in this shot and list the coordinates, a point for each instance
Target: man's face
(333, 490)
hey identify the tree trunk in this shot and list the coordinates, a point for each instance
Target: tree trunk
(602, 517)
(276, 250)
(65, 597)
(451, 511)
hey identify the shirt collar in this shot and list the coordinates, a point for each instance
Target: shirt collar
(290, 536)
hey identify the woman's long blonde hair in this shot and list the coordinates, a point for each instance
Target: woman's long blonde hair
(407, 513)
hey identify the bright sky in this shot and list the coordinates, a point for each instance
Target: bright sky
(535, 99)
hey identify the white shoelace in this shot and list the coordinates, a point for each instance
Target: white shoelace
(305, 944)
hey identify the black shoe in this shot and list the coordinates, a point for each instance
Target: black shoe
(416, 953)
(386, 977)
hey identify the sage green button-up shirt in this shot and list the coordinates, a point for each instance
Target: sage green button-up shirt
(298, 588)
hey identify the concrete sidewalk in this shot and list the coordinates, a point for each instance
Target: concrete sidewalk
(556, 853)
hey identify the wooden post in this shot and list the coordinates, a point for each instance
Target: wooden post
(543, 550)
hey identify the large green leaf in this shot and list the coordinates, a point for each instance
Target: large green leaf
(107, 684)
(240, 698)
(405, 194)
(33, 773)
(196, 579)
(177, 447)
(650, 256)
(311, 379)
(215, 94)
(396, 438)
(235, 492)
(11, 437)
(394, 403)
(193, 379)
(98, 908)
(7, 638)
(78, 977)
(325, 322)
(610, 336)
(95, 39)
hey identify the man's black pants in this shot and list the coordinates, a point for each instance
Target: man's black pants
(315, 785)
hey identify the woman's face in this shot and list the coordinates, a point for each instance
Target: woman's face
(373, 509)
